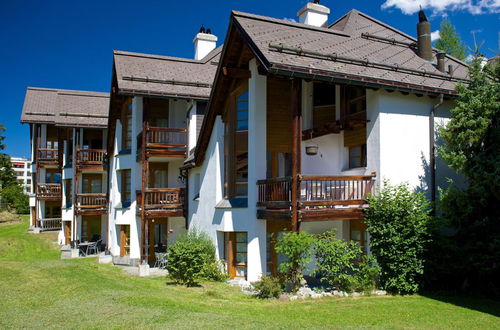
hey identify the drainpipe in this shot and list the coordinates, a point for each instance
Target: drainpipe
(432, 158)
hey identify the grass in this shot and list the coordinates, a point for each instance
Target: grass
(41, 291)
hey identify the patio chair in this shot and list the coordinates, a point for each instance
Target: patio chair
(92, 247)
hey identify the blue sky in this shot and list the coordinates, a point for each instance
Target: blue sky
(68, 44)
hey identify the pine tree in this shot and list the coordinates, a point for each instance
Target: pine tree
(449, 41)
(7, 174)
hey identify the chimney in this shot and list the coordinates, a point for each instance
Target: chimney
(204, 43)
(314, 14)
(440, 61)
(424, 37)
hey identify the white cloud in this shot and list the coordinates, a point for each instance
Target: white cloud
(293, 19)
(435, 35)
(474, 7)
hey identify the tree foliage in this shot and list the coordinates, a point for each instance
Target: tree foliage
(449, 41)
(472, 147)
(14, 198)
(7, 174)
(399, 225)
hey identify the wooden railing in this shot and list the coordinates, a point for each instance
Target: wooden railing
(90, 157)
(275, 192)
(91, 201)
(163, 198)
(316, 191)
(167, 141)
(47, 155)
(49, 224)
(49, 190)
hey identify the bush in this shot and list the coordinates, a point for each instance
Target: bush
(334, 260)
(296, 247)
(192, 258)
(399, 225)
(14, 198)
(212, 271)
(268, 287)
(342, 265)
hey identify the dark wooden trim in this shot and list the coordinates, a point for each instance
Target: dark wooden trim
(296, 150)
(236, 73)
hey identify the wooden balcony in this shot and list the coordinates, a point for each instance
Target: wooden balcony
(48, 224)
(91, 204)
(49, 191)
(90, 159)
(46, 156)
(162, 202)
(320, 197)
(162, 142)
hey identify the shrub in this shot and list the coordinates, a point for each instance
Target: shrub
(268, 287)
(212, 271)
(341, 264)
(14, 198)
(296, 247)
(191, 258)
(334, 260)
(6, 216)
(399, 225)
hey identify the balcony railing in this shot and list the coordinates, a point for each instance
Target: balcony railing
(316, 193)
(162, 200)
(90, 157)
(91, 203)
(49, 190)
(47, 224)
(47, 155)
(160, 141)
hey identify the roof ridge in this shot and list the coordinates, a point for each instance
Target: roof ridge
(288, 23)
(163, 57)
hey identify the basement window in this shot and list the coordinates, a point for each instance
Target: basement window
(357, 156)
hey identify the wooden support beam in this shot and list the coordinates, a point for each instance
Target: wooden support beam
(236, 73)
(296, 150)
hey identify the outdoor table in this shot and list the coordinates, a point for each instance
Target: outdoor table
(84, 247)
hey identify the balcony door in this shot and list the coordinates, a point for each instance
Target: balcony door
(158, 175)
(91, 183)
(52, 175)
(235, 250)
(156, 112)
(91, 228)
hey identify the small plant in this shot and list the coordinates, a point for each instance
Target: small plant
(368, 275)
(296, 247)
(192, 258)
(268, 287)
(212, 271)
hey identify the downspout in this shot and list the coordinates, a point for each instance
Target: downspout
(432, 158)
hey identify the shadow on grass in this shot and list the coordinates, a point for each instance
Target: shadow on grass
(480, 304)
(173, 283)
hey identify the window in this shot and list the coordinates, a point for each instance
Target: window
(357, 156)
(28, 181)
(52, 176)
(67, 192)
(358, 234)
(127, 127)
(356, 100)
(91, 183)
(125, 188)
(323, 104)
(124, 240)
(235, 253)
(236, 145)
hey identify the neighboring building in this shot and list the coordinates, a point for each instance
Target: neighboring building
(305, 120)
(68, 137)
(157, 106)
(22, 167)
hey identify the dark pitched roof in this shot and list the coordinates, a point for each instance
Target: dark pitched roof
(65, 107)
(356, 49)
(165, 76)
(348, 50)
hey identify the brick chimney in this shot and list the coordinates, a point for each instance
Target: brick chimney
(314, 14)
(204, 43)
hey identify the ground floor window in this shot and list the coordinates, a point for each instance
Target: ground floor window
(359, 234)
(235, 253)
(67, 232)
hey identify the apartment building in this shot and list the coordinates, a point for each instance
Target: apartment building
(157, 106)
(68, 132)
(305, 120)
(22, 168)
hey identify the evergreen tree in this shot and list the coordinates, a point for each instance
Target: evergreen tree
(7, 174)
(449, 41)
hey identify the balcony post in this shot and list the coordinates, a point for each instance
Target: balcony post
(296, 150)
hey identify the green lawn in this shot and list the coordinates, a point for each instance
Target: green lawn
(38, 290)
